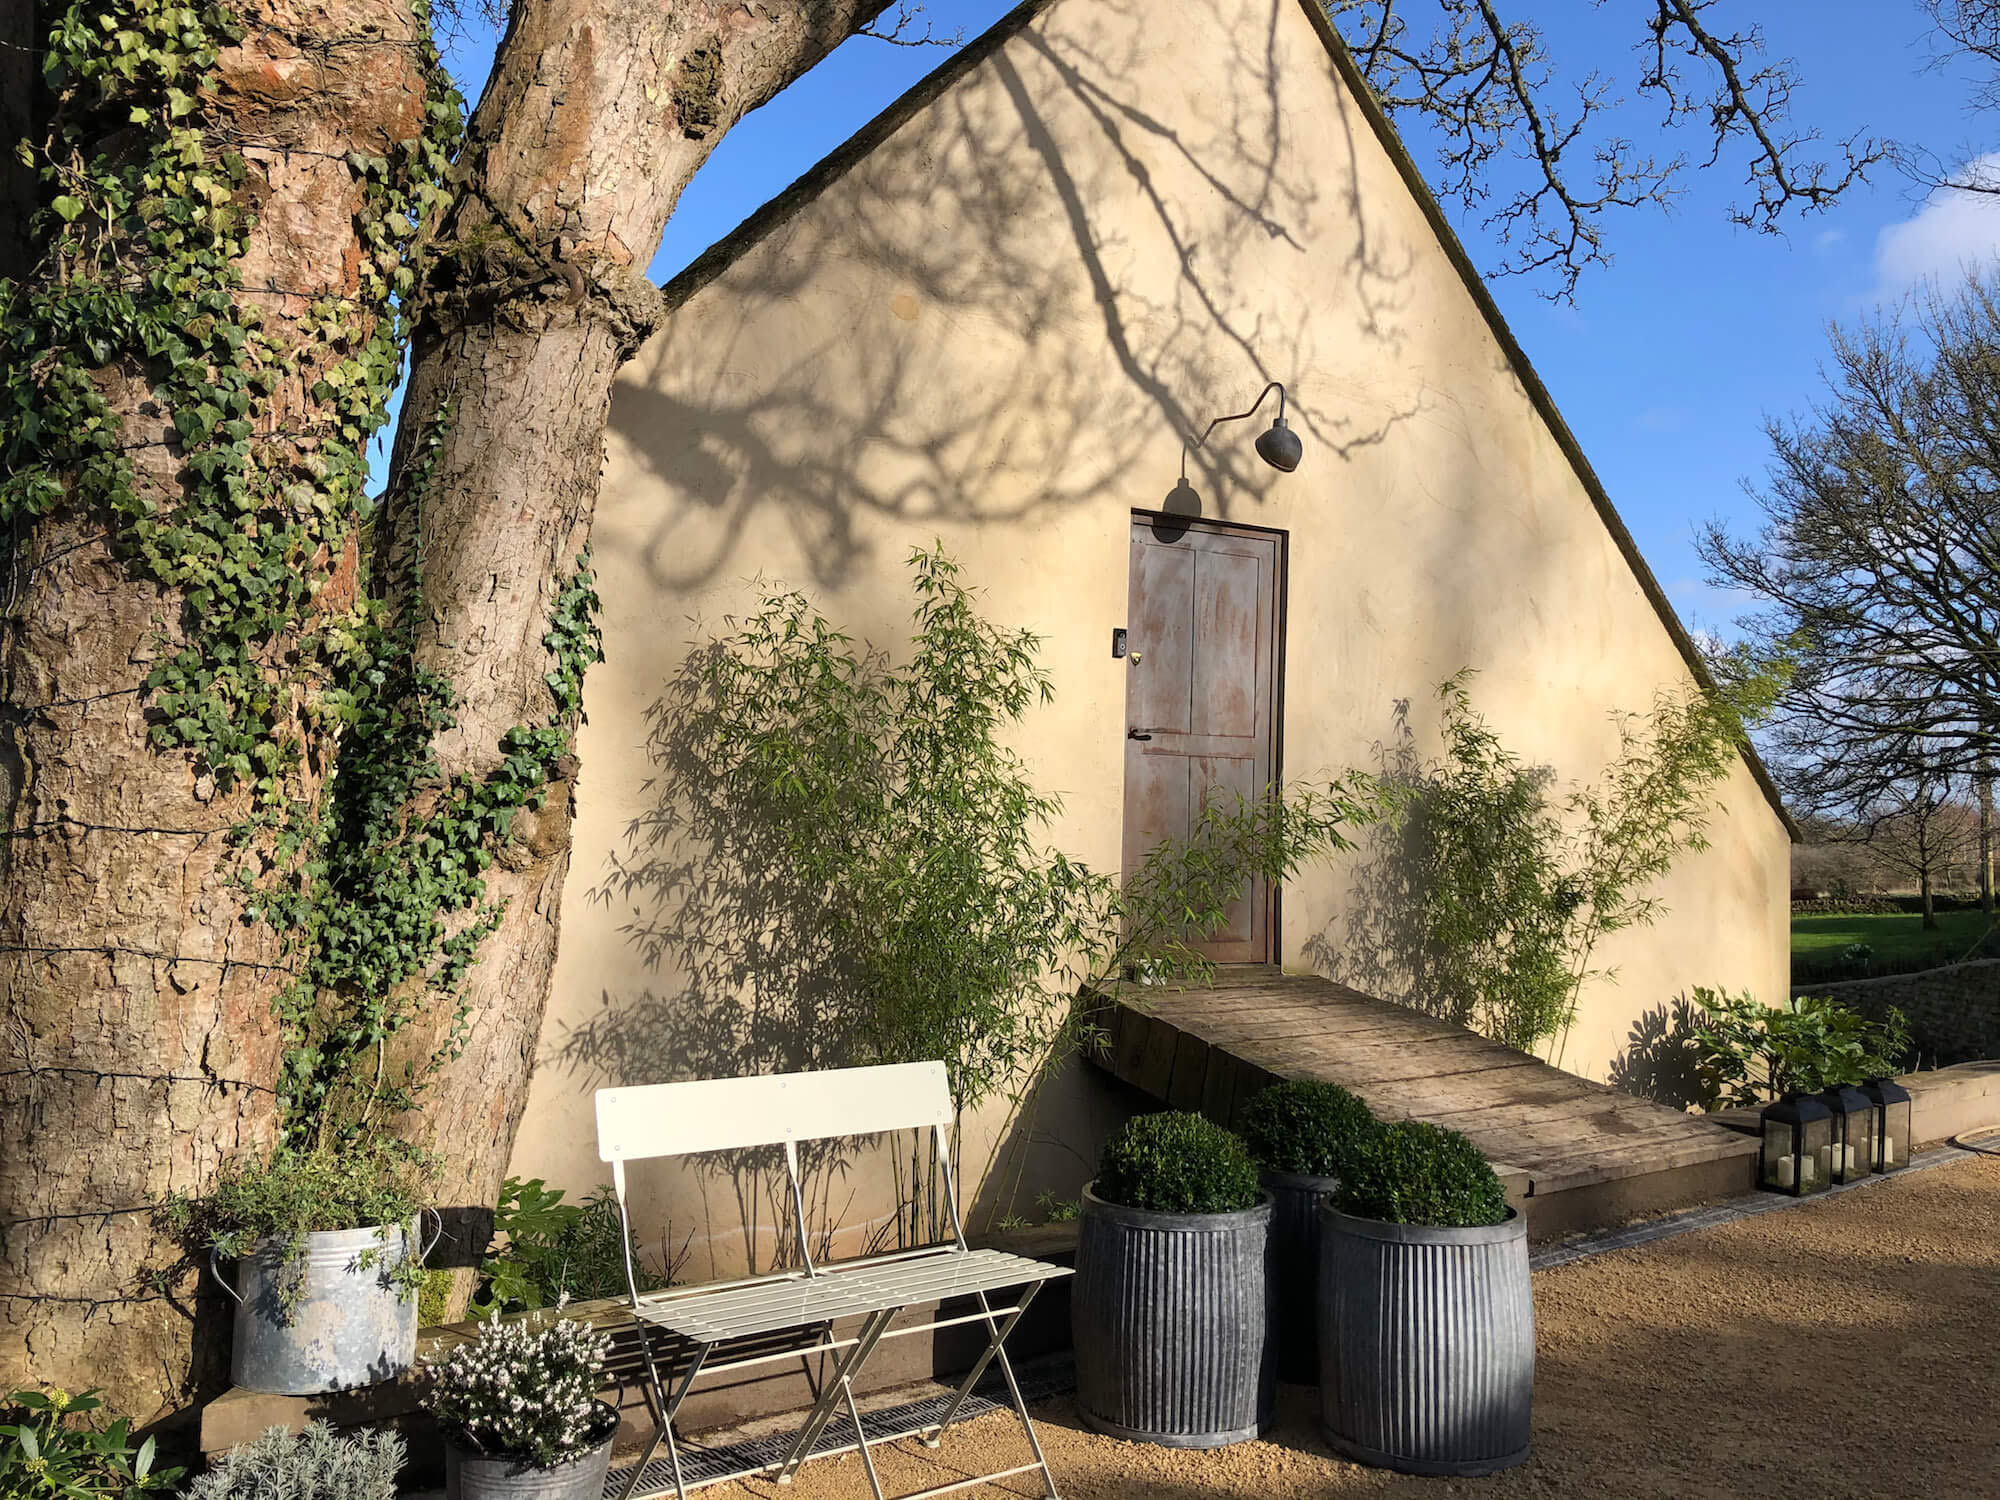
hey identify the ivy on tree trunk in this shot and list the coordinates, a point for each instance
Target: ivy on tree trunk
(597, 114)
(219, 207)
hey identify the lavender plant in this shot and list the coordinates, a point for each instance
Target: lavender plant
(524, 1392)
(316, 1464)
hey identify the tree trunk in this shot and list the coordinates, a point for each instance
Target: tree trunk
(17, 94)
(1930, 906)
(1986, 838)
(141, 1047)
(595, 117)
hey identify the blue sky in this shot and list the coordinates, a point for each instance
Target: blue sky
(1669, 361)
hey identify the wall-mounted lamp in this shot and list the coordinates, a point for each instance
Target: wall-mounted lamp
(1277, 445)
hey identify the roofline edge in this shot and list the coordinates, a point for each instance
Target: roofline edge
(1538, 394)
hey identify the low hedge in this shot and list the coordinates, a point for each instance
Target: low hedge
(1177, 1163)
(1883, 906)
(1412, 1172)
(1305, 1128)
(1846, 906)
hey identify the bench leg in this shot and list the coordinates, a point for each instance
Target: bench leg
(861, 1438)
(664, 1410)
(936, 1434)
(822, 1412)
(996, 1350)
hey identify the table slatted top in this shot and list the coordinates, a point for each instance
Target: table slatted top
(841, 1292)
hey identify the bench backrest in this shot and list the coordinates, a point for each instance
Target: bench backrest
(779, 1109)
(732, 1114)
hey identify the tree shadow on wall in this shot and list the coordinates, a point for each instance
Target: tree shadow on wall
(1377, 945)
(752, 980)
(1086, 270)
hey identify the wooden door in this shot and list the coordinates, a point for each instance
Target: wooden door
(1200, 695)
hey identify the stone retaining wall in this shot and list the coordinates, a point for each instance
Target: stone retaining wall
(1954, 1012)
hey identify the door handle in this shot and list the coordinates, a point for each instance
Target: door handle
(1136, 734)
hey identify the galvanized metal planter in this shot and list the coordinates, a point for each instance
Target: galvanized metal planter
(348, 1325)
(1427, 1344)
(1294, 1291)
(1168, 1316)
(470, 1475)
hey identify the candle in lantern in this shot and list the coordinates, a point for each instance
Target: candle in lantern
(1787, 1170)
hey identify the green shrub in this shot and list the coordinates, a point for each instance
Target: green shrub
(881, 794)
(1512, 883)
(317, 1464)
(292, 1193)
(1415, 1173)
(51, 1445)
(1305, 1128)
(555, 1249)
(1177, 1164)
(1759, 1052)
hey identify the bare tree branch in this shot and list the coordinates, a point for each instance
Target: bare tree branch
(902, 31)
(1963, 32)
(1485, 85)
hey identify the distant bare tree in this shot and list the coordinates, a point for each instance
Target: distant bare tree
(1923, 829)
(1879, 562)
(1829, 858)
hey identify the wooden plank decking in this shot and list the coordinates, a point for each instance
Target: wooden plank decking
(1546, 1131)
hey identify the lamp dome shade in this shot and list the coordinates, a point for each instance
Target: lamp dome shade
(1279, 446)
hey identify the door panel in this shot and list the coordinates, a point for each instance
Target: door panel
(1163, 583)
(1200, 697)
(1226, 600)
(1225, 779)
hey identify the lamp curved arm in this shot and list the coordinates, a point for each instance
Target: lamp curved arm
(1275, 385)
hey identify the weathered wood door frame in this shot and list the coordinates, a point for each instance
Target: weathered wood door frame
(1170, 528)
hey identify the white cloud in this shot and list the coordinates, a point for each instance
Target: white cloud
(1952, 233)
(1826, 239)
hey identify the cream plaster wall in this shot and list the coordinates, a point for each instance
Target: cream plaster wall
(994, 330)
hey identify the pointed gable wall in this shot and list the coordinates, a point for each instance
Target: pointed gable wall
(990, 321)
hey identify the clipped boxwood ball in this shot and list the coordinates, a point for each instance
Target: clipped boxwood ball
(1177, 1164)
(1304, 1128)
(1414, 1173)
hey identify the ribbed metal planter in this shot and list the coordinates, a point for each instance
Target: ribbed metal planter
(469, 1475)
(350, 1325)
(1294, 1291)
(1427, 1344)
(1168, 1316)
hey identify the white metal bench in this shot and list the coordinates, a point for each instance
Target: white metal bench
(734, 1114)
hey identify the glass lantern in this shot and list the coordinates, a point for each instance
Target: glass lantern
(1854, 1143)
(1798, 1146)
(1892, 1123)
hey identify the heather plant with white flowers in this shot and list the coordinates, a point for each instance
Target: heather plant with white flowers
(524, 1392)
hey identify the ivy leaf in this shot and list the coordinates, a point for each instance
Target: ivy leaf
(195, 423)
(70, 208)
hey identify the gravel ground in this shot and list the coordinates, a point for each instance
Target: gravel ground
(1844, 1348)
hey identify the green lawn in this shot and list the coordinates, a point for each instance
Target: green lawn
(1897, 937)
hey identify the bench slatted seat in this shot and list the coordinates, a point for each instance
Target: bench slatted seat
(734, 1114)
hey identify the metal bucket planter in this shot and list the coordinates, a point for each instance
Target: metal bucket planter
(1168, 1316)
(471, 1475)
(1427, 1344)
(348, 1325)
(1294, 1294)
